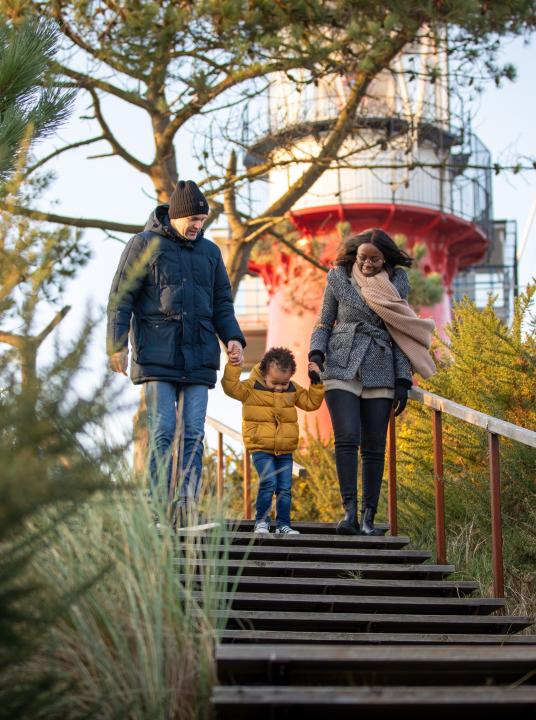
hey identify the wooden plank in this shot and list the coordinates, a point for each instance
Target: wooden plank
(473, 417)
(324, 553)
(319, 540)
(380, 665)
(314, 528)
(347, 586)
(352, 603)
(369, 639)
(378, 655)
(314, 569)
(367, 622)
(266, 701)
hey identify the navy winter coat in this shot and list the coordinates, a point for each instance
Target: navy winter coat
(174, 296)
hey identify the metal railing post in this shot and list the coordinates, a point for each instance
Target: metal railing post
(496, 520)
(391, 470)
(437, 434)
(219, 468)
(247, 485)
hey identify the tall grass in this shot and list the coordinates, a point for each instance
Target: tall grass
(138, 643)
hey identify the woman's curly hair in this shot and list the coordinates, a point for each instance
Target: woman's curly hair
(380, 239)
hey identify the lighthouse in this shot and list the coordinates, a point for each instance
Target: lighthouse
(410, 167)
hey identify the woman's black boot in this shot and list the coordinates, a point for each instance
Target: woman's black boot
(367, 522)
(349, 524)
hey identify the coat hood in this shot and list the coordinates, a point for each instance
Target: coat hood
(256, 375)
(158, 222)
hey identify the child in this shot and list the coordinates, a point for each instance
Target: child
(270, 427)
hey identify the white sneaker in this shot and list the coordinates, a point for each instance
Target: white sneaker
(286, 530)
(261, 528)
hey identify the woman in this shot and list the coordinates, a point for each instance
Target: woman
(371, 341)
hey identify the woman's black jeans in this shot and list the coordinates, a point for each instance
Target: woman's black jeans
(359, 423)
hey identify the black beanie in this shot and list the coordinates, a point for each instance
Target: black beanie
(187, 199)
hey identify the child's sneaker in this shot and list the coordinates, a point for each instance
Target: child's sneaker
(261, 527)
(286, 530)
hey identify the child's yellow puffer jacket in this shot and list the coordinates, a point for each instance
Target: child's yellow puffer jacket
(269, 419)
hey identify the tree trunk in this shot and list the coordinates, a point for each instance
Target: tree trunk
(164, 169)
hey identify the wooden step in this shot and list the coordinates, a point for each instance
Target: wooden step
(394, 665)
(345, 586)
(385, 542)
(266, 701)
(314, 528)
(355, 638)
(371, 622)
(325, 569)
(351, 603)
(325, 554)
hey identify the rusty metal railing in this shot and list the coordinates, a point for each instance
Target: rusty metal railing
(495, 428)
(224, 430)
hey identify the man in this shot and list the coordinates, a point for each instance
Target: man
(172, 292)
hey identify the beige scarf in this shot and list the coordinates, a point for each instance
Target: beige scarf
(411, 333)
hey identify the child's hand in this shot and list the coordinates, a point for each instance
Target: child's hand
(235, 352)
(314, 373)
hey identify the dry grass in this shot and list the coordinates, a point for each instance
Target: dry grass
(137, 644)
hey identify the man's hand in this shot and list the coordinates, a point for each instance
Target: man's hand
(235, 351)
(118, 362)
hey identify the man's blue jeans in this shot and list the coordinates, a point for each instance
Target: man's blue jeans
(275, 476)
(161, 399)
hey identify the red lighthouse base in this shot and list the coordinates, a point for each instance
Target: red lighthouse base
(296, 286)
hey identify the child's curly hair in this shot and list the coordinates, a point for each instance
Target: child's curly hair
(280, 356)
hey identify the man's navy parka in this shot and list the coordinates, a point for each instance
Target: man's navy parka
(174, 296)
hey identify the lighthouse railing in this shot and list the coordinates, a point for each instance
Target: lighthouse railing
(495, 429)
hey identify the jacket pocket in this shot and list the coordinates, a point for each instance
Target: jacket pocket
(157, 342)
(209, 345)
(340, 345)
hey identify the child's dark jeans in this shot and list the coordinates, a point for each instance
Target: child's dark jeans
(275, 476)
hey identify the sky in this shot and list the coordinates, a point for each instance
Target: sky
(108, 188)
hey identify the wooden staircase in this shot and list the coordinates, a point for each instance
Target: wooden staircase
(325, 624)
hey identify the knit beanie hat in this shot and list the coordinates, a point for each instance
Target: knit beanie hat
(187, 199)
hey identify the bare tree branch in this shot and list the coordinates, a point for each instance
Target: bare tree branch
(93, 51)
(87, 81)
(229, 199)
(12, 339)
(58, 317)
(278, 236)
(110, 137)
(201, 101)
(71, 221)
(61, 150)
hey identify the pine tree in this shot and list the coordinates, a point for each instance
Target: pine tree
(490, 367)
(50, 456)
(30, 107)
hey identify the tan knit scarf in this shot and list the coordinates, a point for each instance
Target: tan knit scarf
(411, 333)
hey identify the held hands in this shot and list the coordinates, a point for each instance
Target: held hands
(235, 352)
(118, 362)
(314, 373)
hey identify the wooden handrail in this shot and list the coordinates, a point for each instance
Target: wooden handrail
(224, 430)
(494, 428)
(473, 417)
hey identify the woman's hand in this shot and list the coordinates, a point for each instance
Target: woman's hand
(314, 373)
(400, 399)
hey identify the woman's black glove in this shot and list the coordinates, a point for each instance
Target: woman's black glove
(401, 396)
(317, 357)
